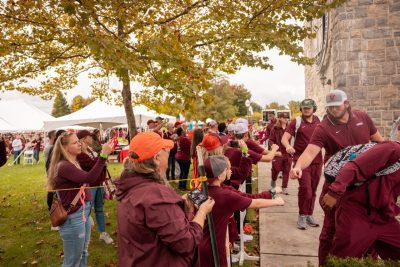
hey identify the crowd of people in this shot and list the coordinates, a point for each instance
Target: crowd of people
(156, 224)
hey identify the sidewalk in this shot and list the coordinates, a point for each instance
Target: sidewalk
(281, 243)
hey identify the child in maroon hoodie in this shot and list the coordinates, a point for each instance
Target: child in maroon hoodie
(365, 214)
(227, 201)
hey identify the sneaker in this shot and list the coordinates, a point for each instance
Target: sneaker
(106, 238)
(54, 228)
(247, 238)
(273, 183)
(311, 221)
(284, 191)
(302, 222)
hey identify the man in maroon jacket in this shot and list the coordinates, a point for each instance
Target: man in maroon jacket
(370, 207)
(310, 179)
(340, 128)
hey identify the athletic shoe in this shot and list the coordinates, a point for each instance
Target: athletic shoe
(106, 238)
(273, 183)
(311, 221)
(55, 228)
(284, 191)
(302, 222)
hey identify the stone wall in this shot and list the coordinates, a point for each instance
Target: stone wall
(364, 61)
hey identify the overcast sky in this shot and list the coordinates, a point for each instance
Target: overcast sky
(284, 83)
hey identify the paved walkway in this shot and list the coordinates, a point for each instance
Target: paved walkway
(281, 243)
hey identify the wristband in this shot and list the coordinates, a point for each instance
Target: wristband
(245, 150)
(103, 156)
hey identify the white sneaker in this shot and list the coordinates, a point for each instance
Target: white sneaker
(285, 191)
(55, 228)
(106, 238)
(247, 238)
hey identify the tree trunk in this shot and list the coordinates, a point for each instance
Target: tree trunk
(126, 92)
(127, 100)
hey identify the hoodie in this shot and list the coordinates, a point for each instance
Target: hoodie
(153, 228)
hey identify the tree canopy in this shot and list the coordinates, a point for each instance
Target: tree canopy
(172, 48)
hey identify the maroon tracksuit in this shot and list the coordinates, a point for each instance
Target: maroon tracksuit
(334, 136)
(283, 163)
(311, 175)
(370, 208)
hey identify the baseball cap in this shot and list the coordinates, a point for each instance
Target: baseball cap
(146, 145)
(335, 98)
(231, 127)
(177, 124)
(158, 118)
(214, 166)
(212, 123)
(150, 121)
(241, 128)
(308, 103)
(82, 134)
(242, 120)
(211, 142)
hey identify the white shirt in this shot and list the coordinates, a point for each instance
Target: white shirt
(17, 144)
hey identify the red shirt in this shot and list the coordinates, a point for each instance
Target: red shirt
(153, 229)
(276, 137)
(235, 154)
(383, 190)
(334, 136)
(254, 146)
(226, 203)
(303, 136)
(270, 125)
(183, 148)
(69, 176)
(173, 150)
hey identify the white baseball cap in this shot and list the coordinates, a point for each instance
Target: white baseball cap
(241, 128)
(335, 98)
(242, 120)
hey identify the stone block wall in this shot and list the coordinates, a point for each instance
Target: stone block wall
(365, 58)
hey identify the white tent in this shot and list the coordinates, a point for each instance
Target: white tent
(18, 115)
(6, 127)
(102, 115)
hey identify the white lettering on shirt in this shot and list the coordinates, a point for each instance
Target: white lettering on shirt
(359, 124)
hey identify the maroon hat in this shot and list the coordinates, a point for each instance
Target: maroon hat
(177, 124)
(283, 115)
(82, 134)
(150, 121)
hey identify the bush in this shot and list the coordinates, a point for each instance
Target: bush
(364, 262)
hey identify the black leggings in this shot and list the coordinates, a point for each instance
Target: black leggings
(185, 167)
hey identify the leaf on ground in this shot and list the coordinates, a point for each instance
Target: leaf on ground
(24, 263)
(40, 242)
(34, 262)
(111, 263)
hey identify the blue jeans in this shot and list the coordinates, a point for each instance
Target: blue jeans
(16, 154)
(75, 234)
(36, 155)
(98, 204)
(185, 167)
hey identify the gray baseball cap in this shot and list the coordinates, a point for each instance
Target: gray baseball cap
(214, 166)
(335, 98)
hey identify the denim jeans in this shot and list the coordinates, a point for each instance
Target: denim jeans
(16, 154)
(75, 234)
(36, 155)
(98, 204)
(185, 167)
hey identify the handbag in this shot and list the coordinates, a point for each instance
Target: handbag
(58, 214)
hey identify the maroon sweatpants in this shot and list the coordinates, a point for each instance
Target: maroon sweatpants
(308, 187)
(328, 229)
(281, 164)
(355, 236)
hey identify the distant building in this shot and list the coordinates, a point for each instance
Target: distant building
(358, 50)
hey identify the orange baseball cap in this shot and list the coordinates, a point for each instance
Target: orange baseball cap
(146, 145)
(211, 142)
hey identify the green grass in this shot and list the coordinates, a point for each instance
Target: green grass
(25, 234)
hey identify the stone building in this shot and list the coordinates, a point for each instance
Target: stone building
(357, 49)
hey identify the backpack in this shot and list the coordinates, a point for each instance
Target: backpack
(340, 158)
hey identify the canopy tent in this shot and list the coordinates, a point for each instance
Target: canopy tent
(102, 115)
(6, 127)
(20, 116)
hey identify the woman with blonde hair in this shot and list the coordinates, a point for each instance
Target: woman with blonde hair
(87, 159)
(66, 176)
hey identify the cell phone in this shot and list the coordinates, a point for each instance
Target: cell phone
(197, 196)
(234, 143)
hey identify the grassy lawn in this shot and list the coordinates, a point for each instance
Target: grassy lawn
(25, 234)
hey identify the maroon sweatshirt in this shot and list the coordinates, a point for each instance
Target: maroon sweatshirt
(276, 137)
(86, 162)
(69, 176)
(153, 229)
(383, 190)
